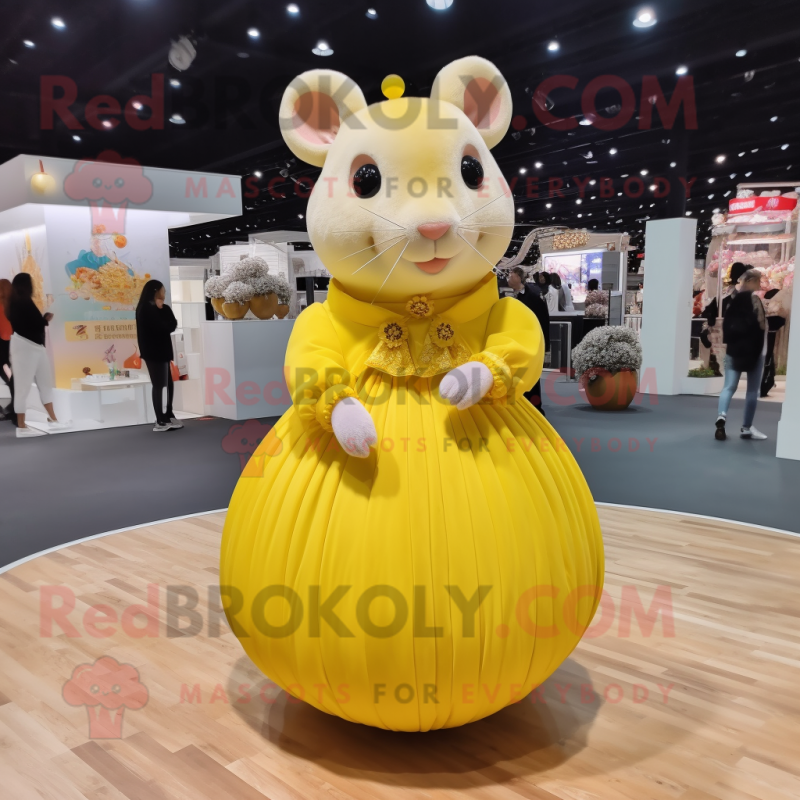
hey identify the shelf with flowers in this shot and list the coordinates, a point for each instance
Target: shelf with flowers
(248, 286)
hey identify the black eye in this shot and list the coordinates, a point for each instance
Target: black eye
(119, 183)
(472, 172)
(97, 182)
(367, 181)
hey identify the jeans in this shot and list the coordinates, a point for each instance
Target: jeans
(753, 385)
(161, 378)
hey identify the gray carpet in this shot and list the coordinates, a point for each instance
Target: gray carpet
(56, 489)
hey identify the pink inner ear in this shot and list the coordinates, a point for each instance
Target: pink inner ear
(316, 118)
(481, 102)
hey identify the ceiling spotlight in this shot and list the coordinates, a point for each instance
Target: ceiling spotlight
(673, 163)
(439, 5)
(711, 197)
(174, 82)
(741, 53)
(59, 23)
(773, 119)
(293, 8)
(107, 123)
(137, 105)
(554, 46)
(748, 174)
(322, 49)
(733, 175)
(182, 53)
(522, 170)
(711, 180)
(372, 13)
(579, 201)
(177, 119)
(538, 165)
(645, 18)
(682, 70)
(76, 138)
(643, 172)
(28, 43)
(519, 211)
(257, 173)
(580, 215)
(300, 216)
(720, 159)
(755, 150)
(548, 205)
(688, 213)
(613, 151)
(652, 187)
(253, 33)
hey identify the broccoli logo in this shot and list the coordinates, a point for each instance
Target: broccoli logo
(104, 687)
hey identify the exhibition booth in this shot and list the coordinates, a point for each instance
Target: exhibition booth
(91, 233)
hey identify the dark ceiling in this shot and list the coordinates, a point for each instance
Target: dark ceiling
(230, 94)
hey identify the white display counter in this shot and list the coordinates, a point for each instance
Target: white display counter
(244, 362)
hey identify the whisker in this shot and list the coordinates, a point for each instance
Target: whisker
(380, 254)
(368, 230)
(485, 233)
(479, 253)
(390, 273)
(499, 197)
(391, 222)
(374, 244)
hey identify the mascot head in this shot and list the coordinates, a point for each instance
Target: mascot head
(410, 200)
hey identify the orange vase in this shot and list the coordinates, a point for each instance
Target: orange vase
(216, 304)
(264, 306)
(282, 311)
(612, 391)
(235, 310)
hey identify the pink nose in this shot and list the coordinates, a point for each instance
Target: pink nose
(434, 230)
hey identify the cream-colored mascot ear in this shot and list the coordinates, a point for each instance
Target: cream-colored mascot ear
(476, 86)
(314, 106)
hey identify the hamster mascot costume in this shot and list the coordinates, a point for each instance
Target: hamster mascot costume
(412, 546)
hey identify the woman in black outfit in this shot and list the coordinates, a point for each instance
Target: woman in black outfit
(154, 324)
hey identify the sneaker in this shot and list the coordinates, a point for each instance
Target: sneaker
(24, 433)
(719, 433)
(175, 424)
(752, 433)
(158, 427)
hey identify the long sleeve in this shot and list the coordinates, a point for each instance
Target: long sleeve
(315, 369)
(514, 349)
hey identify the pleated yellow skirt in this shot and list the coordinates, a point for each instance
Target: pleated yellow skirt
(427, 586)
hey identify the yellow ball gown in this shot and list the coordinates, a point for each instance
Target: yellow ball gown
(443, 577)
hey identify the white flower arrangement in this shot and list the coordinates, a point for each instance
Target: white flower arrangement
(596, 303)
(216, 286)
(275, 284)
(607, 350)
(249, 269)
(238, 292)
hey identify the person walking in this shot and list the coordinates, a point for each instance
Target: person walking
(527, 295)
(744, 332)
(29, 359)
(6, 330)
(549, 294)
(154, 324)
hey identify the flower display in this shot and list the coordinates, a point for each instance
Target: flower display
(248, 269)
(215, 287)
(271, 284)
(596, 304)
(608, 349)
(238, 292)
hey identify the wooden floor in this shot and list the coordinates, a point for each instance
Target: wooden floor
(712, 711)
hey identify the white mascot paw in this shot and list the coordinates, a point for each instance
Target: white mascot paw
(466, 385)
(353, 427)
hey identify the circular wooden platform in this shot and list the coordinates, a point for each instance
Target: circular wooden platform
(699, 702)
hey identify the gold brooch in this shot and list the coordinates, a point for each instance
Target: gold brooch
(443, 334)
(393, 334)
(419, 307)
